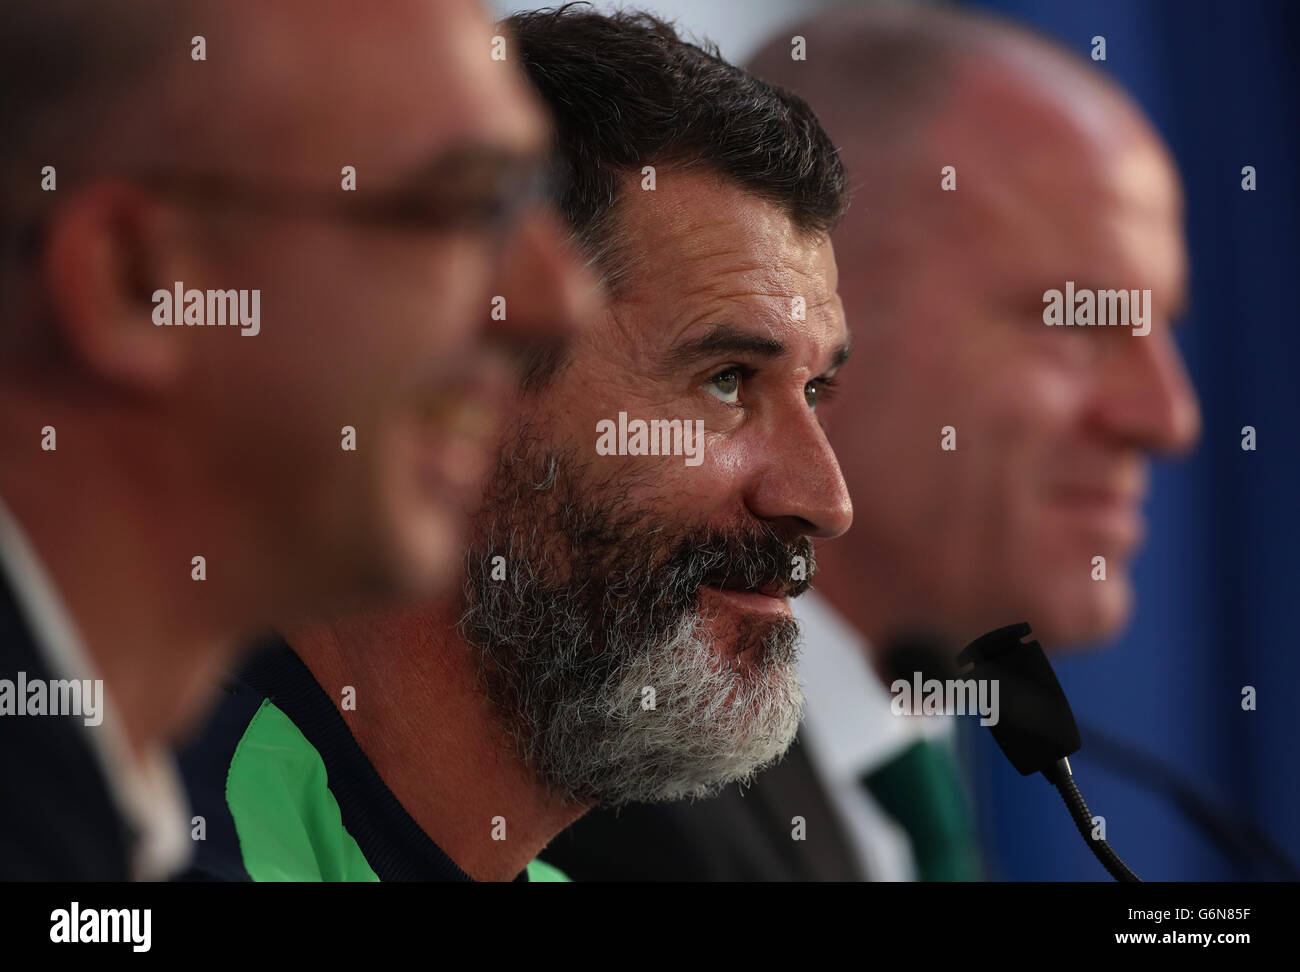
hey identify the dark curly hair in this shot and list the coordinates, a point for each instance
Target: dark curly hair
(625, 91)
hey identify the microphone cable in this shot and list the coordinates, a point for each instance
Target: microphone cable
(1243, 843)
(1059, 775)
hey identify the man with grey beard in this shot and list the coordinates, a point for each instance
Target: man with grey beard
(614, 690)
(625, 631)
(1061, 177)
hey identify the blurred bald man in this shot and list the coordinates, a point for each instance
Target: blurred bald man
(1058, 177)
(173, 485)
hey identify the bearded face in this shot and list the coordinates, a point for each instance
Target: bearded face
(609, 669)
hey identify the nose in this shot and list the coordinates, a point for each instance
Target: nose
(1146, 398)
(549, 295)
(796, 485)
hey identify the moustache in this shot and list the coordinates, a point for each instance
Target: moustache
(756, 560)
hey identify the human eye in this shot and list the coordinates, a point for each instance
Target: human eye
(725, 384)
(820, 390)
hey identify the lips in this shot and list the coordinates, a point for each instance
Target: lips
(774, 589)
(1114, 515)
(456, 429)
(465, 399)
(464, 417)
(1104, 498)
(767, 599)
(1103, 481)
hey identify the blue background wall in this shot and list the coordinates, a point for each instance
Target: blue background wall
(1218, 580)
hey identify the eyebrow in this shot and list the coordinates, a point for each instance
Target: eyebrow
(724, 339)
(841, 355)
(474, 160)
(1180, 306)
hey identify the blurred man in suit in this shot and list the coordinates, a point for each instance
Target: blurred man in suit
(625, 633)
(990, 458)
(172, 484)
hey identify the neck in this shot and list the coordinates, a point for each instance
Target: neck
(115, 530)
(417, 692)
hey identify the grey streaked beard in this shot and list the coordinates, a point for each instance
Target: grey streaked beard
(599, 605)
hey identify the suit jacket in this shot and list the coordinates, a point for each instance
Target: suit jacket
(58, 820)
(736, 836)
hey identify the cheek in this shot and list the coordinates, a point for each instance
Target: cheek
(421, 534)
(1042, 417)
(1016, 427)
(436, 305)
(712, 490)
(1011, 416)
(1009, 397)
(409, 301)
(717, 484)
(582, 407)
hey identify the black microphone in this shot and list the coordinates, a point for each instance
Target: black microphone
(1035, 728)
(1251, 851)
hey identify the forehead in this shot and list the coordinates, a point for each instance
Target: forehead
(699, 248)
(330, 81)
(1057, 181)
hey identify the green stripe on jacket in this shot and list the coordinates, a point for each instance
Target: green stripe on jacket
(288, 822)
